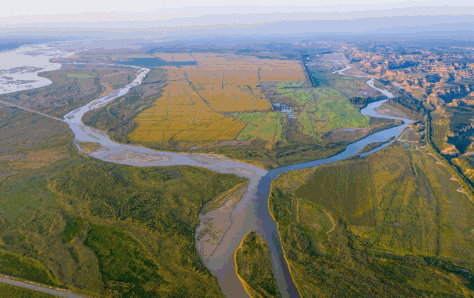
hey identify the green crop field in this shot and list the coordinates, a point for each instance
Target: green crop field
(323, 116)
(265, 126)
(254, 267)
(73, 221)
(323, 109)
(388, 225)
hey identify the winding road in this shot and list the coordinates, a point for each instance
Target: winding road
(35, 287)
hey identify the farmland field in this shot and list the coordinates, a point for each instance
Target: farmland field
(180, 114)
(265, 126)
(191, 106)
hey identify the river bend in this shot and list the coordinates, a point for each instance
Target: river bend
(250, 213)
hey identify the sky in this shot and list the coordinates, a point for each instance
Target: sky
(165, 17)
(93, 10)
(51, 7)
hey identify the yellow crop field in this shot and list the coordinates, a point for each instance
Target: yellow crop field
(227, 83)
(174, 73)
(191, 106)
(181, 115)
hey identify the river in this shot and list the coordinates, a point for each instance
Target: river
(250, 213)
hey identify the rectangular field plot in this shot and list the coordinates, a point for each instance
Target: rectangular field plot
(278, 70)
(227, 83)
(265, 126)
(181, 115)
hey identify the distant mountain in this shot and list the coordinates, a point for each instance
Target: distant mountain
(412, 25)
(461, 26)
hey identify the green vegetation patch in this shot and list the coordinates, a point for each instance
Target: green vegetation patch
(74, 228)
(265, 126)
(292, 84)
(300, 96)
(346, 86)
(322, 116)
(164, 201)
(12, 292)
(81, 75)
(125, 265)
(25, 267)
(254, 267)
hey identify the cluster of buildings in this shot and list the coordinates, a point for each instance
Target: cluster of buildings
(282, 108)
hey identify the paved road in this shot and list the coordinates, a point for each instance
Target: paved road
(32, 111)
(38, 288)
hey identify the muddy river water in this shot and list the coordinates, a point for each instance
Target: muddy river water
(250, 213)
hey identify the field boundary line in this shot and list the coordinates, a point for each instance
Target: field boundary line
(253, 97)
(190, 97)
(199, 94)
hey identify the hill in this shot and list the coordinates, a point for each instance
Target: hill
(390, 224)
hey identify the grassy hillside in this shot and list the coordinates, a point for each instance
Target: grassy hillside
(388, 225)
(16, 292)
(254, 267)
(95, 227)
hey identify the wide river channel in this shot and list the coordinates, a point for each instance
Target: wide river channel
(250, 213)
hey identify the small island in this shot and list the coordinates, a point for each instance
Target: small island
(374, 145)
(89, 146)
(254, 268)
